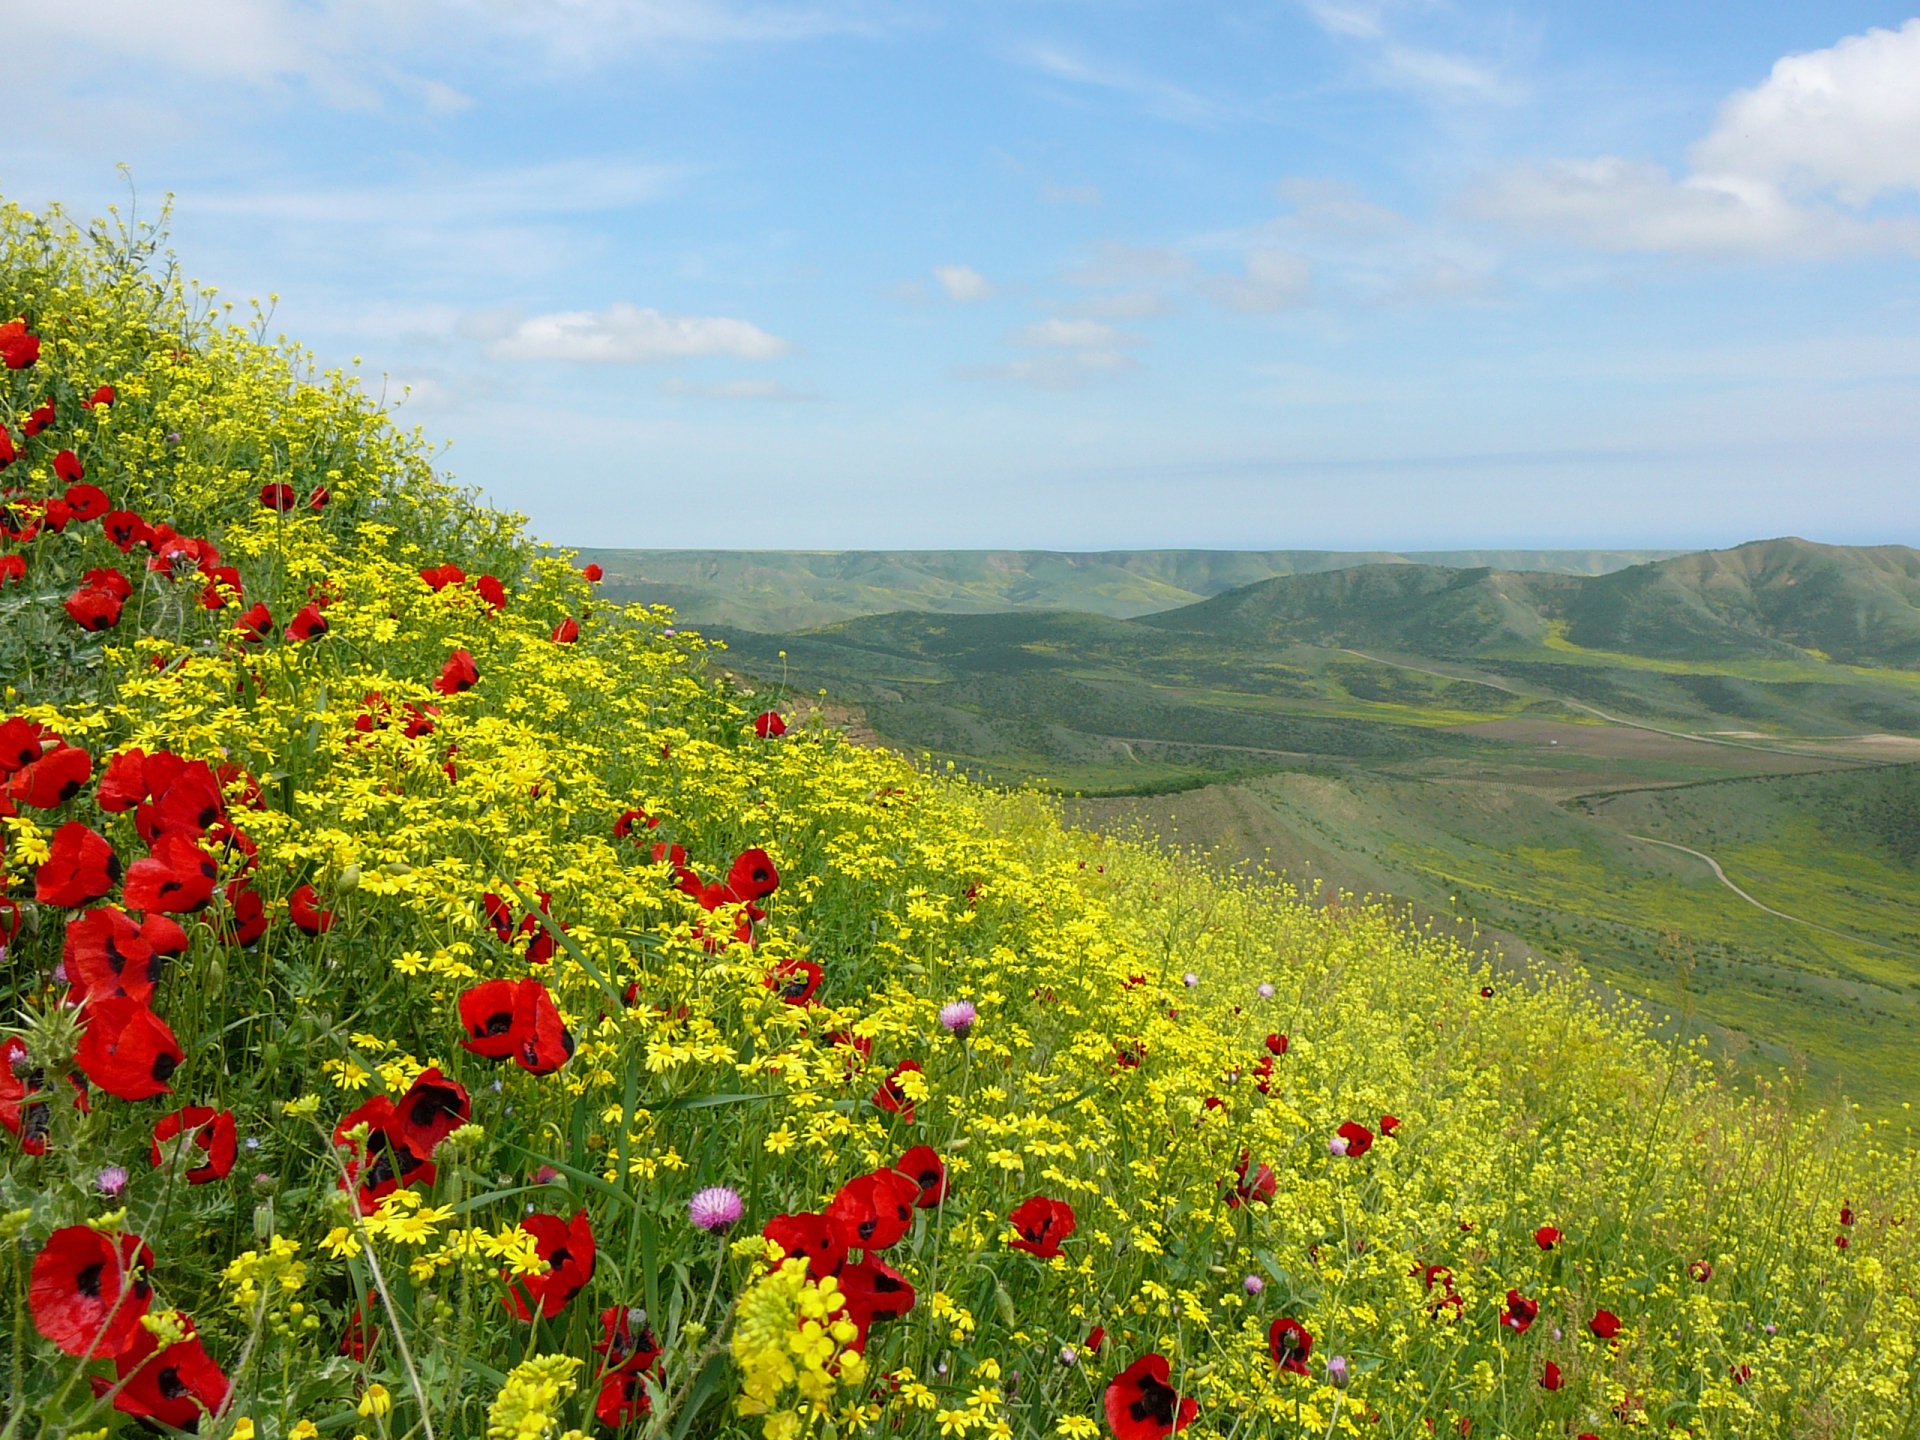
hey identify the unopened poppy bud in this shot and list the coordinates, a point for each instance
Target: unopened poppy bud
(348, 881)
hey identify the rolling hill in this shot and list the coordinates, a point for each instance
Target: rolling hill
(785, 590)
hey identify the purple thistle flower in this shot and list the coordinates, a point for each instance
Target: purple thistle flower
(958, 1016)
(1253, 1284)
(1337, 1370)
(715, 1208)
(1265, 991)
(1190, 979)
(111, 1181)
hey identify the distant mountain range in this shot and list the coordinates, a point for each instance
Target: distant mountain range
(1771, 600)
(786, 590)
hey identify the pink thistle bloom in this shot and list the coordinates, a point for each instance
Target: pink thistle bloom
(715, 1208)
(958, 1016)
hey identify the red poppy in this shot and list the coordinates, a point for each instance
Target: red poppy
(7, 453)
(188, 799)
(1520, 1312)
(89, 1290)
(516, 1020)
(568, 1249)
(1289, 1344)
(277, 497)
(86, 502)
(67, 468)
(31, 1120)
(124, 529)
(1142, 1404)
(1359, 1139)
(13, 570)
(52, 780)
(80, 866)
(176, 878)
(1700, 1271)
(1740, 1374)
(1605, 1324)
(623, 827)
(441, 576)
(1441, 1277)
(212, 1133)
(795, 981)
(254, 625)
(923, 1165)
(592, 573)
(303, 908)
(752, 876)
(93, 609)
(127, 1050)
(356, 1340)
(1846, 1213)
(382, 1164)
(1246, 1189)
(18, 349)
(1546, 1237)
(1096, 1337)
(307, 624)
(873, 1211)
(875, 1291)
(891, 1098)
(432, 1109)
(567, 632)
(105, 954)
(808, 1236)
(1277, 1044)
(105, 395)
(1550, 1377)
(769, 726)
(1042, 1223)
(177, 1386)
(38, 419)
(1389, 1124)
(458, 674)
(491, 592)
(54, 515)
(630, 1355)
(23, 741)
(243, 918)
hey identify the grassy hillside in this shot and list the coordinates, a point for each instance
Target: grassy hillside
(441, 1006)
(1834, 990)
(785, 590)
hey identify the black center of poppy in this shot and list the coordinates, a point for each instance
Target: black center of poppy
(164, 1066)
(87, 1282)
(560, 1257)
(69, 790)
(868, 1226)
(171, 1385)
(794, 988)
(432, 1105)
(1155, 1402)
(498, 1023)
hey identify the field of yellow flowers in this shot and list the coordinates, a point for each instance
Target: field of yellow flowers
(436, 1005)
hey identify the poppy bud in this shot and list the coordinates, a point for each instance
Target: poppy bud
(348, 881)
(216, 975)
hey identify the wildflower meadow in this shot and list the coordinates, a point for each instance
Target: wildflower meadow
(440, 1004)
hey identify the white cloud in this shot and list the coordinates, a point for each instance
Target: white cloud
(627, 335)
(355, 52)
(771, 390)
(1629, 206)
(561, 187)
(1064, 334)
(1061, 370)
(1371, 28)
(1844, 119)
(1160, 98)
(1789, 171)
(964, 284)
(1071, 194)
(1273, 280)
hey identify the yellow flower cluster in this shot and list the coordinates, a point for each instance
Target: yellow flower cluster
(790, 1342)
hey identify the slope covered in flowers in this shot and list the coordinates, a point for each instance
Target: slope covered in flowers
(439, 1007)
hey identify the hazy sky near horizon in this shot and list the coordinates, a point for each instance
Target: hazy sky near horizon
(1067, 274)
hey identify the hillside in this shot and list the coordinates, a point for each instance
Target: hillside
(1769, 600)
(787, 590)
(441, 1004)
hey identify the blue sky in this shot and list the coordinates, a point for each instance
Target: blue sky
(1057, 273)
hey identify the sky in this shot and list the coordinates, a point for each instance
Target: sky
(1064, 274)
